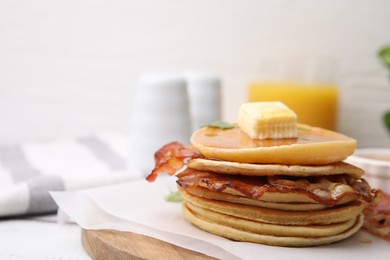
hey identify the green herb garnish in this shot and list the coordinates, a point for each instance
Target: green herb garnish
(173, 196)
(304, 128)
(221, 125)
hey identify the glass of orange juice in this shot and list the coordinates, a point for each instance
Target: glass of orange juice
(306, 86)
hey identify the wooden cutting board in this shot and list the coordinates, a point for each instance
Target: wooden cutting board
(112, 244)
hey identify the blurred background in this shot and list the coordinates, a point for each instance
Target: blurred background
(69, 68)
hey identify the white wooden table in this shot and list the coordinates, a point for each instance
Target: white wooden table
(40, 238)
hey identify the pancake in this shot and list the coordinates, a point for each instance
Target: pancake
(240, 235)
(294, 206)
(314, 146)
(273, 216)
(234, 168)
(269, 189)
(271, 229)
(279, 197)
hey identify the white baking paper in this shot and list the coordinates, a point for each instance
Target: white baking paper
(140, 207)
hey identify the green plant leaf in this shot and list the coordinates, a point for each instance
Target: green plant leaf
(221, 124)
(386, 120)
(173, 196)
(384, 55)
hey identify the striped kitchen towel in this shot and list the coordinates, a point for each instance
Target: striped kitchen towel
(30, 170)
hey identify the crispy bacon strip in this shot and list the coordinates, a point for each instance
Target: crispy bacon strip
(170, 158)
(323, 189)
(377, 217)
(365, 192)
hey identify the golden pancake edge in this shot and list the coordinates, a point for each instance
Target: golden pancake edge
(274, 216)
(246, 236)
(314, 146)
(252, 169)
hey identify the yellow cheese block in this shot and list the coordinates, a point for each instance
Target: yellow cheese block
(267, 120)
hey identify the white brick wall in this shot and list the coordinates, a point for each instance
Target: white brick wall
(69, 67)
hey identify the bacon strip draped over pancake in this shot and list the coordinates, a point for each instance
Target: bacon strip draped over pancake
(171, 158)
(327, 190)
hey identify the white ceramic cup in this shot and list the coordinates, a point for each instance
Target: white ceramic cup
(376, 164)
(161, 115)
(205, 99)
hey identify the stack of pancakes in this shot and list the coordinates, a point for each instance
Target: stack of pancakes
(234, 187)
